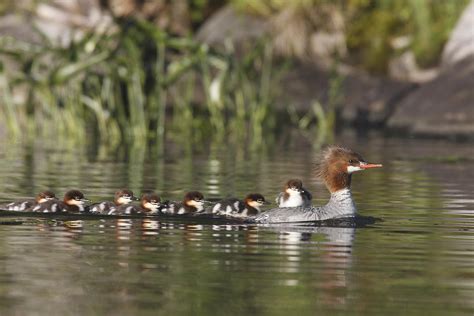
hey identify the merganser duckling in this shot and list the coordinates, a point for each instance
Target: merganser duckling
(193, 202)
(21, 206)
(73, 202)
(336, 168)
(250, 206)
(121, 197)
(294, 195)
(150, 203)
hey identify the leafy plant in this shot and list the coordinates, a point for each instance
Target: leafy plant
(125, 86)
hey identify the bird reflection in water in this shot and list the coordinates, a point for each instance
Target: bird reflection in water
(124, 228)
(337, 258)
(74, 228)
(150, 227)
(335, 245)
(193, 232)
(234, 232)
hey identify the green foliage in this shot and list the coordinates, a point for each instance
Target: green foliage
(121, 85)
(269, 7)
(6, 5)
(325, 117)
(372, 25)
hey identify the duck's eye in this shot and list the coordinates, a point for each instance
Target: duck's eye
(259, 201)
(352, 161)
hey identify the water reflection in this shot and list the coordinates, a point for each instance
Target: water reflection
(421, 253)
(334, 248)
(150, 227)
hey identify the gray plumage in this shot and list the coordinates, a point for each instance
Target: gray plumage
(340, 205)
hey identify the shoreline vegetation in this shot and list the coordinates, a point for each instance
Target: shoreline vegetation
(120, 84)
(141, 83)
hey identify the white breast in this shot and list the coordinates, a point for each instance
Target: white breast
(294, 200)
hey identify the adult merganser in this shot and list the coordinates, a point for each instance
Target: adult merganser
(21, 206)
(150, 203)
(250, 206)
(294, 195)
(121, 197)
(193, 202)
(336, 168)
(73, 202)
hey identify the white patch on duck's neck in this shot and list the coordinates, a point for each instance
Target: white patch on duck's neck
(198, 205)
(351, 169)
(78, 203)
(255, 205)
(122, 200)
(151, 207)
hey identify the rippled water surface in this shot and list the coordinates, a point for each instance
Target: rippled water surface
(418, 261)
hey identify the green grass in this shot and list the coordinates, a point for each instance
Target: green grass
(126, 85)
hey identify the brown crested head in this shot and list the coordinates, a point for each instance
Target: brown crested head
(337, 164)
(193, 196)
(255, 200)
(150, 197)
(150, 201)
(123, 196)
(294, 184)
(45, 196)
(74, 197)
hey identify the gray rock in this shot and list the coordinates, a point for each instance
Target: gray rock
(291, 34)
(365, 100)
(441, 107)
(18, 27)
(405, 68)
(229, 25)
(59, 21)
(461, 41)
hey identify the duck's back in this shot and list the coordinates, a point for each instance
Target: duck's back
(340, 205)
(107, 208)
(128, 209)
(18, 206)
(289, 215)
(228, 206)
(51, 206)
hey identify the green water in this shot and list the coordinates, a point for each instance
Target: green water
(418, 261)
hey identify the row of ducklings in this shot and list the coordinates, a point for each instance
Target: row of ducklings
(293, 195)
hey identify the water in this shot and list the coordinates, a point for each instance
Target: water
(419, 260)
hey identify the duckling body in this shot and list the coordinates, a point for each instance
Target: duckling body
(250, 206)
(193, 202)
(294, 195)
(150, 204)
(21, 206)
(121, 197)
(73, 202)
